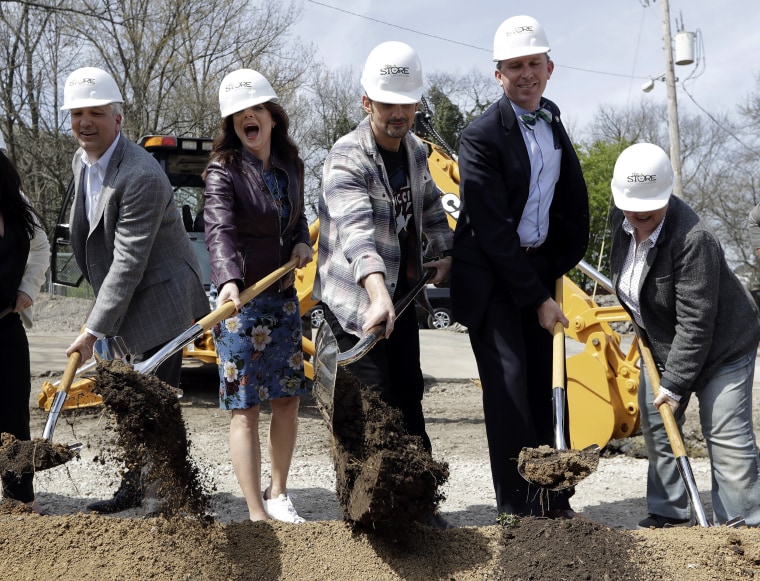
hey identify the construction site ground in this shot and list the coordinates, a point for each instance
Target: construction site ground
(72, 544)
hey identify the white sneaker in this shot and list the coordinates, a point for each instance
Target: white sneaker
(282, 509)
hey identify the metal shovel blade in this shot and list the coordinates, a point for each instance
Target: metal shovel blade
(327, 356)
(61, 393)
(325, 370)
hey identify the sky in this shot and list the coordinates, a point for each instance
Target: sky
(604, 50)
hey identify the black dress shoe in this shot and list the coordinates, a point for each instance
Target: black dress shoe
(124, 498)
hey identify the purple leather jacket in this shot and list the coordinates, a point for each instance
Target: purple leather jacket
(243, 232)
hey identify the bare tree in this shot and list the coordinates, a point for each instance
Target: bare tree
(32, 48)
(167, 57)
(472, 92)
(334, 101)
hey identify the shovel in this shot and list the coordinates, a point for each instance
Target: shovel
(560, 468)
(60, 395)
(327, 356)
(671, 427)
(676, 442)
(114, 348)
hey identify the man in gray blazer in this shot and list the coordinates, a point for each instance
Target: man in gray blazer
(128, 239)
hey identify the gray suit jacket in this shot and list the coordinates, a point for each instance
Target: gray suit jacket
(698, 315)
(136, 253)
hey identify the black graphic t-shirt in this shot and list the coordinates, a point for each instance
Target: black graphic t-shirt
(398, 177)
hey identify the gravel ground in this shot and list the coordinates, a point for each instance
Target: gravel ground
(614, 494)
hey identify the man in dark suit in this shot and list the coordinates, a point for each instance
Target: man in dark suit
(128, 240)
(523, 223)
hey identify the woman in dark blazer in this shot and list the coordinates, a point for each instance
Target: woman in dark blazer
(671, 275)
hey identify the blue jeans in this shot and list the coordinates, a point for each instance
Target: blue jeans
(725, 414)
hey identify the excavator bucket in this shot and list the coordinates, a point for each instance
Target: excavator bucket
(81, 395)
(602, 380)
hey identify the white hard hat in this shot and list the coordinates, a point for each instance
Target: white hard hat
(90, 87)
(519, 36)
(643, 178)
(244, 88)
(393, 74)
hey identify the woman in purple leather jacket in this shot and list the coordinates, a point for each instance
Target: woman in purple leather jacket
(255, 223)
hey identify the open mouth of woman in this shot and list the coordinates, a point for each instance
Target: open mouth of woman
(251, 131)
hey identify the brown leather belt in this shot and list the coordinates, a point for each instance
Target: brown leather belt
(530, 249)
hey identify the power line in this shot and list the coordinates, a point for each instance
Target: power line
(441, 38)
(397, 26)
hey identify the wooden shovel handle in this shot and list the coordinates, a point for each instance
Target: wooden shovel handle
(227, 310)
(71, 370)
(671, 427)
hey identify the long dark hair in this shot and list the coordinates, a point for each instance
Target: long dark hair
(227, 145)
(12, 204)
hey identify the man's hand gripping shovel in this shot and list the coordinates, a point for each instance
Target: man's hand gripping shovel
(327, 357)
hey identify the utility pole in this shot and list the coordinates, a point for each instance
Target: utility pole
(670, 83)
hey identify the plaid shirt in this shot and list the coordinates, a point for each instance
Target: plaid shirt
(357, 228)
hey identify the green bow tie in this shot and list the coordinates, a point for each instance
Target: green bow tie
(529, 119)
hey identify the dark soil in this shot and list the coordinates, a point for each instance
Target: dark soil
(384, 476)
(152, 438)
(18, 457)
(547, 467)
(536, 548)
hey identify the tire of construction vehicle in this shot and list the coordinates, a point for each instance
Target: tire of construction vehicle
(440, 319)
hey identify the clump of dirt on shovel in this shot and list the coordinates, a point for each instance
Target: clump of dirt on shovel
(384, 476)
(152, 435)
(19, 457)
(548, 467)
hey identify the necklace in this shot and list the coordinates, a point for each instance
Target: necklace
(273, 183)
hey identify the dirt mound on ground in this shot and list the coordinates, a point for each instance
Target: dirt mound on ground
(90, 547)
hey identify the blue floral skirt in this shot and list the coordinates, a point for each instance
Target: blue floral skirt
(259, 351)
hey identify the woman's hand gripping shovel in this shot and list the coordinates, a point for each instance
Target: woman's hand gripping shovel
(558, 468)
(327, 357)
(114, 348)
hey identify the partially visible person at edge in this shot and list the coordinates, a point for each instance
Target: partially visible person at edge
(129, 242)
(523, 223)
(754, 228)
(255, 223)
(377, 202)
(24, 259)
(670, 274)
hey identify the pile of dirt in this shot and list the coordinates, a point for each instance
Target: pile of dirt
(152, 438)
(384, 476)
(540, 548)
(92, 547)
